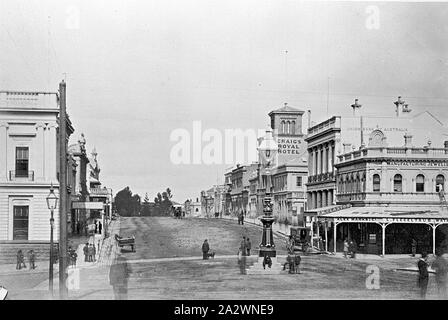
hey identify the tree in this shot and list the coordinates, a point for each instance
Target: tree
(163, 204)
(146, 209)
(126, 203)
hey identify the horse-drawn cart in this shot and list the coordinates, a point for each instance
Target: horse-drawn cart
(128, 241)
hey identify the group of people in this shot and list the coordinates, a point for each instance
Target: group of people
(82, 226)
(349, 249)
(245, 247)
(206, 252)
(89, 251)
(440, 266)
(72, 257)
(21, 259)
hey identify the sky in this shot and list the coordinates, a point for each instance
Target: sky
(138, 70)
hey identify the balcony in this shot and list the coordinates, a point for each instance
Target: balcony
(390, 197)
(395, 152)
(17, 175)
(322, 177)
(13, 100)
(332, 123)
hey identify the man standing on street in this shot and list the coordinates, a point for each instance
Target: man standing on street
(441, 268)
(243, 246)
(205, 249)
(248, 246)
(86, 252)
(423, 276)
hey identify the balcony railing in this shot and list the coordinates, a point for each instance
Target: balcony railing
(395, 152)
(17, 175)
(322, 177)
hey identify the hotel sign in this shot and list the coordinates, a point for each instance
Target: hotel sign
(420, 163)
(292, 146)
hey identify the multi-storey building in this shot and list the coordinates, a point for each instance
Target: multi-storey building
(28, 165)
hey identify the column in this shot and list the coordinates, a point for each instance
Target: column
(383, 235)
(310, 161)
(318, 171)
(317, 231)
(326, 236)
(433, 238)
(325, 159)
(39, 157)
(333, 156)
(316, 161)
(330, 158)
(335, 225)
(4, 149)
(330, 197)
(324, 198)
(313, 200)
(319, 199)
(51, 153)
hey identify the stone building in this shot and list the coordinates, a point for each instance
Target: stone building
(28, 168)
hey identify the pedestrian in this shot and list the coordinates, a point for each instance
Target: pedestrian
(423, 275)
(205, 249)
(414, 247)
(100, 227)
(32, 259)
(441, 268)
(86, 252)
(73, 257)
(118, 277)
(345, 248)
(90, 253)
(239, 219)
(243, 246)
(20, 260)
(248, 246)
(267, 261)
(297, 260)
(94, 252)
(242, 218)
(352, 249)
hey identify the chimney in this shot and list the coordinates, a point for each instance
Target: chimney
(347, 147)
(407, 140)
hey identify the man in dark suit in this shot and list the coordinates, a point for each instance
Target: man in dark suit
(205, 249)
(423, 276)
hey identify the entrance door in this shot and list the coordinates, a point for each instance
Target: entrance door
(20, 223)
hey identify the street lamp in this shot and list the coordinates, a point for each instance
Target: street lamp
(52, 202)
(267, 149)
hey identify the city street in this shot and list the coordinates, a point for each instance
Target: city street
(168, 264)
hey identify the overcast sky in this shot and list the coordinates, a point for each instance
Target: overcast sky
(137, 70)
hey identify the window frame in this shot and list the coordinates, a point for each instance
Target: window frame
(395, 183)
(419, 186)
(376, 184)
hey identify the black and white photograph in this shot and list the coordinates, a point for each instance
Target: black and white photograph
(236, 152)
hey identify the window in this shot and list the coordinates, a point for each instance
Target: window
(420, 183)
(376, 183)
(440, 183)
(283, 127)
(299, 181)
(22, 162)
(20, 223)
(398, 182)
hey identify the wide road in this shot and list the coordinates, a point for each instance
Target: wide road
(168, 265)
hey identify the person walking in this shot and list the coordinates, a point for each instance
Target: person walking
(118, 278)
(32, 259)
(297, 260)
(205, 249)
(242, 218)
(267, 261)
(20, 260)
(423, 275)
(85, 249)
(243, 246)
(90, 253)
(100, 227)
(441, 268)
(248, 246)
(345, 248)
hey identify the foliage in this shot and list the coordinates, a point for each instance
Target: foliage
(126, 203)
(146, 206)
(163, 204)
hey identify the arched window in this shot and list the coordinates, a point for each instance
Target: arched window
(283, 126)
(288, 127)
(420, 183)
(440, 183)
(398, 183)
(376, 183)
(293, 127)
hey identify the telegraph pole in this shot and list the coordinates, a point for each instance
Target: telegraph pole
(63, 292)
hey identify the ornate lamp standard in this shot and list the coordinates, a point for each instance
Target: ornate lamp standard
(52, 202)
(267, 150)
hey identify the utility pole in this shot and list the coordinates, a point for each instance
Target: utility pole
(63, 292)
